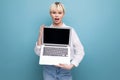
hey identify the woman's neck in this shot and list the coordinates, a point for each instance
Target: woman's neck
(58, 25)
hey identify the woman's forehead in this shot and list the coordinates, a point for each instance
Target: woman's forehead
(57, 9)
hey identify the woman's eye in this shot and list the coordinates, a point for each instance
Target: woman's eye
(54, 12)
(60, 12)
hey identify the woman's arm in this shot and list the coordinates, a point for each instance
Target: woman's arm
(78, 49)
(37, 48)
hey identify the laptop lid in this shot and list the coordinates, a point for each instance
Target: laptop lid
(56, 36)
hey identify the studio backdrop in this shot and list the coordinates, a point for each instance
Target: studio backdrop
(97, 23)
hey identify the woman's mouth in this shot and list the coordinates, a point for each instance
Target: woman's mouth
(56, 19)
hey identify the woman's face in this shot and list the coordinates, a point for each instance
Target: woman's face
(57, 16)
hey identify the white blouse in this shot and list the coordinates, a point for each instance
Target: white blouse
(77, 50)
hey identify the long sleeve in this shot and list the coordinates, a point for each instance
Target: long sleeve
(78, 50)
(37, 49)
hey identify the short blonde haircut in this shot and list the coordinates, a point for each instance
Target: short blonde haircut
(57, 5)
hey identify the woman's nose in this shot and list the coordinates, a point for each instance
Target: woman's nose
(56, 14)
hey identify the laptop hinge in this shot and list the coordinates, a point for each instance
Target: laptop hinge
(57, 45)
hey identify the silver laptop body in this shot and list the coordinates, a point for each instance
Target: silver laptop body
(55, 47)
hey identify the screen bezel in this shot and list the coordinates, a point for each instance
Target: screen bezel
(56, 43)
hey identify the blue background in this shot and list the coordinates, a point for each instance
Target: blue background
(97, 23)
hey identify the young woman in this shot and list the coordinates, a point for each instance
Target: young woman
(61, 71)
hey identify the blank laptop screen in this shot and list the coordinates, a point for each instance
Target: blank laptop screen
(56, 36)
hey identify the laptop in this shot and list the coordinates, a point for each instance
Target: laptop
(55, 47)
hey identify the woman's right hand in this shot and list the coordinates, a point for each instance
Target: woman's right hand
(40, 35)
(41, 29)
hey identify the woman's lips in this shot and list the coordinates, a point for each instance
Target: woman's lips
(56, 19)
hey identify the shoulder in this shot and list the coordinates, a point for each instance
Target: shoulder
(67, 26)
(72, 29)
(64, 25)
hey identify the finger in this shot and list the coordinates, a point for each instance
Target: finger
(57, 65)
(42, 26)
(60, 64)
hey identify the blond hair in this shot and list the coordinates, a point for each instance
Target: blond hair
(57, 5)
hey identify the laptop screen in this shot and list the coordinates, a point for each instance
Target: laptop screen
(56, 36)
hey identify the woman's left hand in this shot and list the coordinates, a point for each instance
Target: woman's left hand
(66, 66)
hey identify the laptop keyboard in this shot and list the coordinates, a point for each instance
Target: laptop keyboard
(51, 51)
